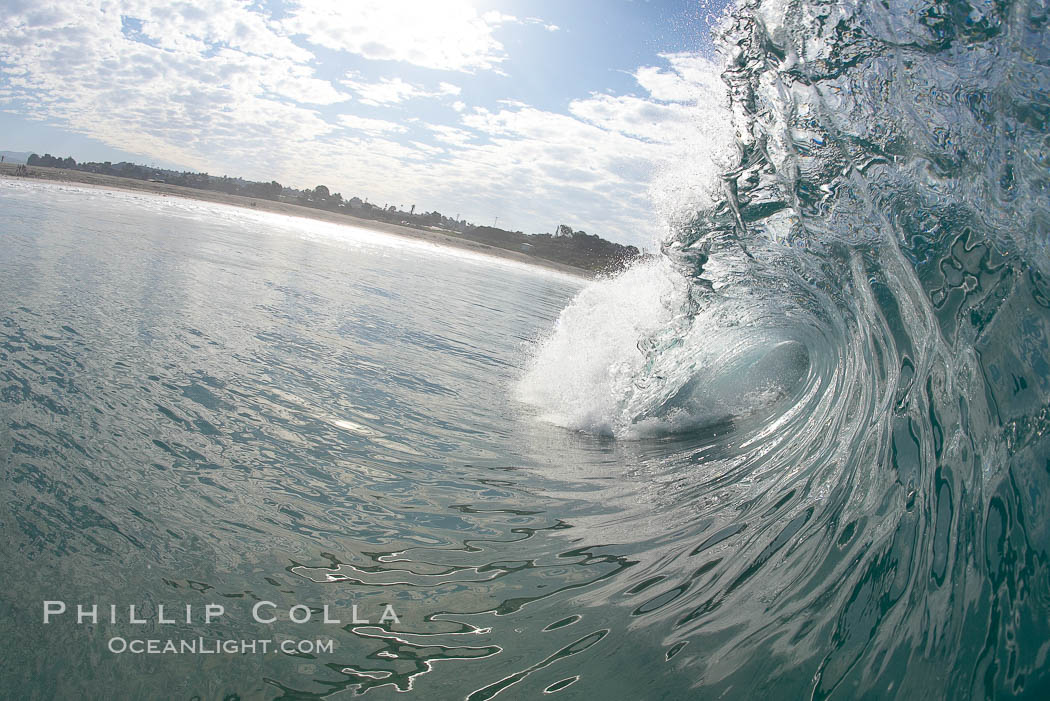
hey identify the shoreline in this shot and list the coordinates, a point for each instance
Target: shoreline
(451, 240)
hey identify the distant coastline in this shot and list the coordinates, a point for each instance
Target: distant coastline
(440, 238)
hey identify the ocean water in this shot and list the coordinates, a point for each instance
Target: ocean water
(848, 335)
(804, 453)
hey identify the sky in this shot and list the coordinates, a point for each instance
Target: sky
(526, 114)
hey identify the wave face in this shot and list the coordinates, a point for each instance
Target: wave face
(848, 342)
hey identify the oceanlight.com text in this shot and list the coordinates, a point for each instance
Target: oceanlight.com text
(204, 646)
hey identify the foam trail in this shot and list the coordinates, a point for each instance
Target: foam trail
(586, 368)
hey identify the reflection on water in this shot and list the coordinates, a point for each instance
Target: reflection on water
(201, 406)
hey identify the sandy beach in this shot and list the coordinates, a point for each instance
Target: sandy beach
(8, 170)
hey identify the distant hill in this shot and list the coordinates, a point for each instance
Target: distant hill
(14, 156)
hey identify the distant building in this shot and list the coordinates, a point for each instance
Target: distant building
(527, 248)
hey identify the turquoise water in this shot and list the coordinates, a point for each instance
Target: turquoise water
(801, 454)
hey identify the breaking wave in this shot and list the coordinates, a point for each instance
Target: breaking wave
(848, 336)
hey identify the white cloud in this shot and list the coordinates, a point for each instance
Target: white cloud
(167, 84)
(495, 17)
(448, 35)
(691, 76)
(193, 27)
(540, 21)
(634, 116)
(451, 135)
(370, 126)
(389, 91)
